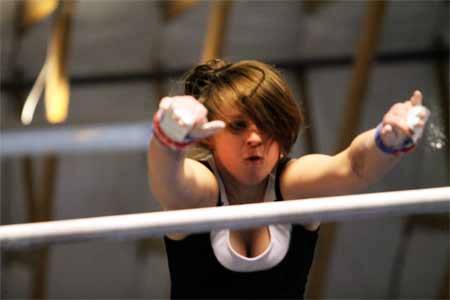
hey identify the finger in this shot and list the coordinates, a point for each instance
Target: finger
(200, 114)
(386, 129)
(416, 98)
(389, 136)
(400, 108)
(400, 125)
(207, 129)
(166, 102)
(407, 105)
(393, 133)
(198, 134)
(216, 124)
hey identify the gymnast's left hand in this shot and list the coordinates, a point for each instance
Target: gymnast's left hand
(404, 120)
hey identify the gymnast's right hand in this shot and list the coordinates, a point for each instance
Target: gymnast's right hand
(181, 121)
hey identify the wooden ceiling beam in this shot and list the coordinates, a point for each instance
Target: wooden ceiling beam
(369, 37)
(361, 72)
(57, 84)
(34, 11)
(39, 191)
(215, 35)
(308, 133)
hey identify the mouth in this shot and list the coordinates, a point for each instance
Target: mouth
(254, 159)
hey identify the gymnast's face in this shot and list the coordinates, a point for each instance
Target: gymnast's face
(243, 152)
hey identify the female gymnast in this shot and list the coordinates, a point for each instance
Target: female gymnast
(226, 142)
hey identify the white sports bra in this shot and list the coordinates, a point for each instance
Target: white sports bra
(280, 236)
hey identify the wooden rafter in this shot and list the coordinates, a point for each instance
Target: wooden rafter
(367, 46)
(215, 36)
(40, 194)
(361, 71)
(310, 146)
(34, 11)
(57, 84)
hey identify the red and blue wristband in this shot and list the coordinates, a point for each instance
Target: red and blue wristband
(407, 145)
(163, 139)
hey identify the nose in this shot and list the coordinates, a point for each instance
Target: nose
(254, 137)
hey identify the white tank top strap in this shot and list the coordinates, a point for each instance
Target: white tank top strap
(280, 236)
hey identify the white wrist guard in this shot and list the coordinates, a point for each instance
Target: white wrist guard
(414, 119)
(172, 128)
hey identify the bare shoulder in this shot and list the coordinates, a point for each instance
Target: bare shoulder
(319, 175)
(203, 193)
(308, 161)
(202, 186)
(314, 175)
(304, 170)
(300, 179)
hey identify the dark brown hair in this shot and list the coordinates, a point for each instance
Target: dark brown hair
(255, 89)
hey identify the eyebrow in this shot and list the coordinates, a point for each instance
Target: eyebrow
(238, 118)
(235, 116)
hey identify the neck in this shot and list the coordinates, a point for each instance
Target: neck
(238, 193)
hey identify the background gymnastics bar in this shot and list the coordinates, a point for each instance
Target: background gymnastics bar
(133, 226)
(69, 140)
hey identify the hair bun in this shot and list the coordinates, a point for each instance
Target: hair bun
(202, 76)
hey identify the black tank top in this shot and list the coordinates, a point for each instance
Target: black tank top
(196, 273)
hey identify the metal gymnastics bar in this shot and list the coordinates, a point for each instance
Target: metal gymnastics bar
(133, 226)
(84, 139)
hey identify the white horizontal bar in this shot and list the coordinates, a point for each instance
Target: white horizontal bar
(135, 226)
(83, 139)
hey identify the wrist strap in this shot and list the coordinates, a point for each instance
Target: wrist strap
(406, 146)
(163, 139)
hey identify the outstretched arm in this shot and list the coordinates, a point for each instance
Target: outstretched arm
(176, 181)
(370, 156)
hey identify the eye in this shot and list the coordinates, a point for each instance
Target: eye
(238, 126)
